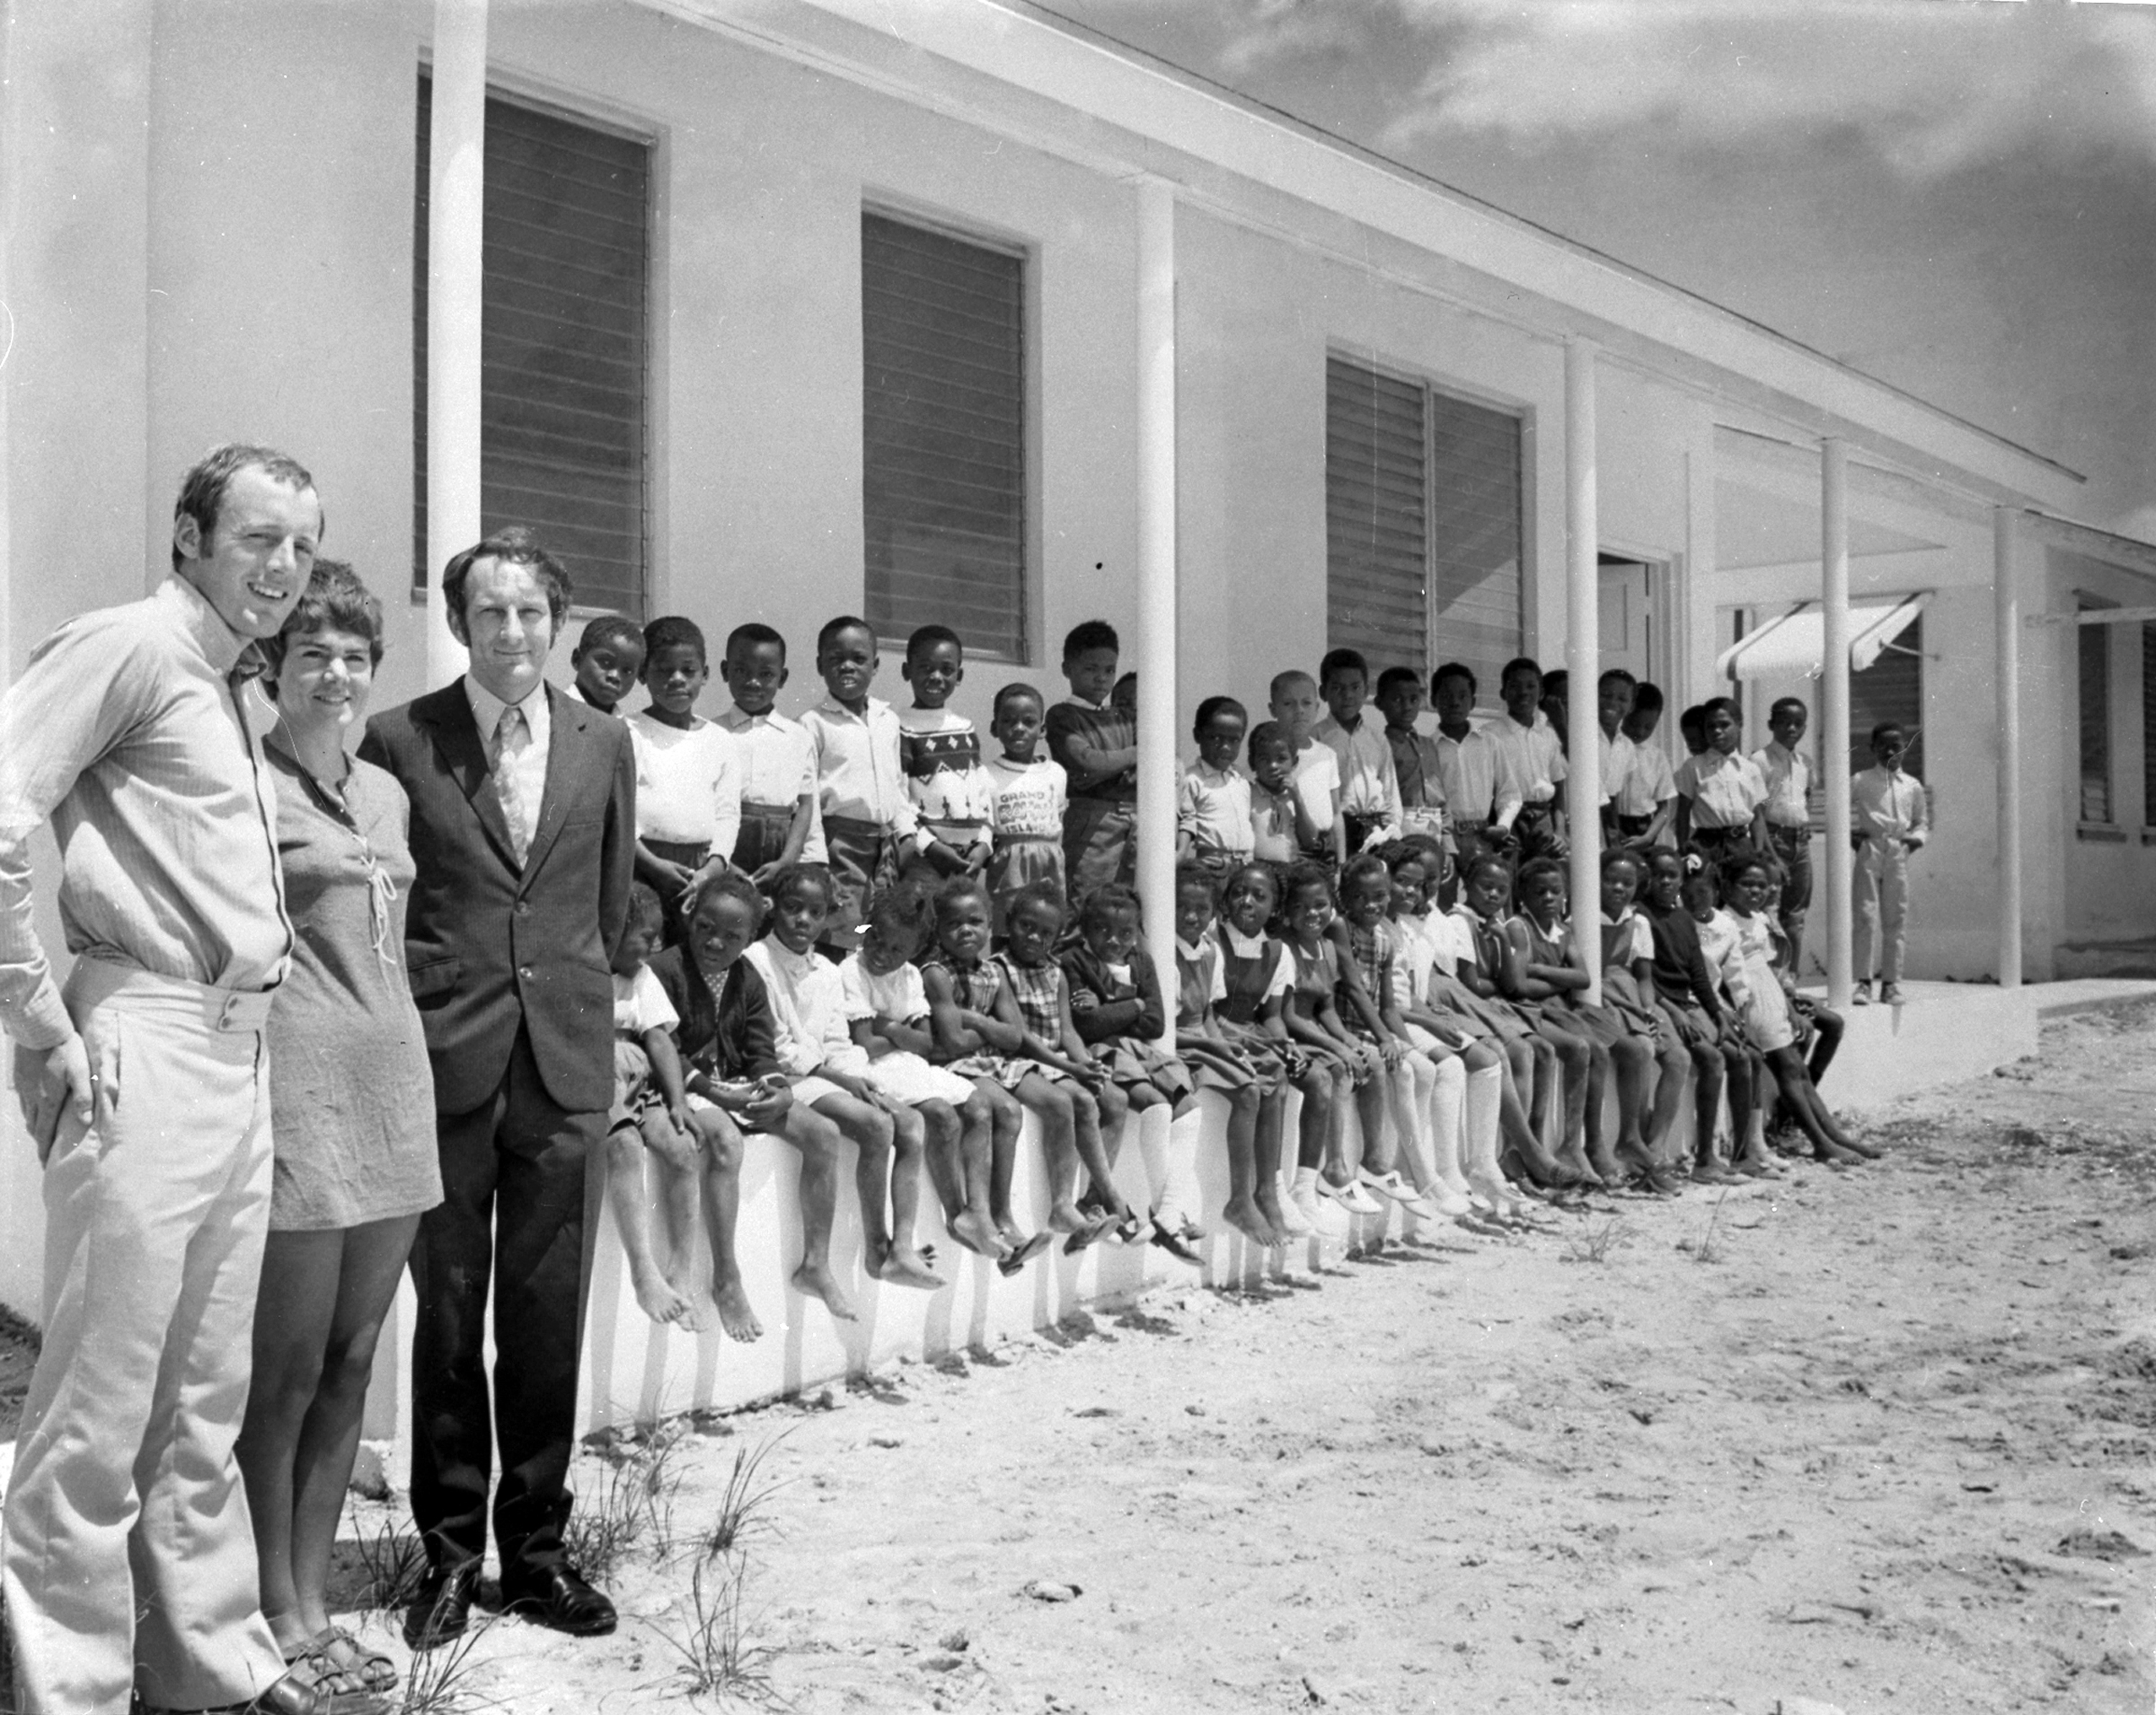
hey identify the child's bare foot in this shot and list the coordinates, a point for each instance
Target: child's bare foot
(1834, 1155)
(735, 1316)
(979, 1234)
(1572, 1159)
(1063, 1217)
(656, 1297)
(902, 1266)
(1856, 1145)
(1244, 1214)
(819, 1282)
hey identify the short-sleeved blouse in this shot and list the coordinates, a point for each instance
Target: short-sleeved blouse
(352, 1099)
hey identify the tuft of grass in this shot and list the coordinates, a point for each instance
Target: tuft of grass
(635, 1505)
(1593, 1243)
(393, 1562)
(438, 1680)
(718, 1658)
(743, 1503)
(1705, 1251)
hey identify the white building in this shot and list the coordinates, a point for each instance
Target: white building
(795, 307)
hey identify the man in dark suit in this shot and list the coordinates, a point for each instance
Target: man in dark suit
(523, 830)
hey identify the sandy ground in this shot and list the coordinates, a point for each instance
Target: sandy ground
(1880, 1440)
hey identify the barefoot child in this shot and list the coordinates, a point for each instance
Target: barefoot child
(608, 661)
(1312, 1018)
(830, 1073)
(1627, 993)
(1213, 807)
(1251, 1078)
(1688, 991)
(1036, 986)
(941, 753)
(1257, 971)
(729, 1033)
(1029, 801)
(887, 1009)
(650, 1114)
(1116, 1006)
(1788, 773)
(774, 759)
(1562, 1058)
(980, 1034)
(1748, 968)
(730, 1046)
(688, 797)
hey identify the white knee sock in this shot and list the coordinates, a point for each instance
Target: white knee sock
(1447, 1105)
(1486, 1095)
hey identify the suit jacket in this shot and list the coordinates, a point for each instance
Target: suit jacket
(492, 948)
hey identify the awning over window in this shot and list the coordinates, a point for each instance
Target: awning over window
(1793, 644)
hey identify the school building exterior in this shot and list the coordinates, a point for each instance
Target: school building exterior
(778, 308)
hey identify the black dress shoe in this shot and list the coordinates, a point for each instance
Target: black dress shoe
(557, 1597)
(443, 1608)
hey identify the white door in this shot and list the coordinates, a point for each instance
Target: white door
(1628, 639)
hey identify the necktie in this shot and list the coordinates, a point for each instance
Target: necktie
(511, 738)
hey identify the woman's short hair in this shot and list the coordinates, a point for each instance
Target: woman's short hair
(335, 599)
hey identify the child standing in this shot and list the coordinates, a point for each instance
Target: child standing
(1721, 796)
(829, 1069)
(1252, 1079)
(867, 820)
(1468, 765)
(1321, 834)
(1213, 807)
(971, 1128)
(1027, 805)
(650, 1114)
(1647, 801)
(1530, 767)
(1789, 814)
(1613, 707)
(608, 661)
(1369, 788)
(774, 759)
(941, 753)
(1312, 1018)
(688, 799)
(1416, 766)
(1096, 746)
(1889, 823)
(1278, 827)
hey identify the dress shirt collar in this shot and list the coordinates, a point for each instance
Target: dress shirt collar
(795, 964)
(221, 646)
(1189, 950)
(1782, 753)
(486, 708)
(836, 710)
(1211, 775)
(737, 718)
(1241, 945)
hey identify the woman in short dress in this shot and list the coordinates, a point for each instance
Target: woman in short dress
(352, 1115)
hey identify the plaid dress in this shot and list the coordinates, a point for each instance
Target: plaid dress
(974, 987)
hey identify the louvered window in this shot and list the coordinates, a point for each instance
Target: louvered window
(1423, 531)
(562, 419)
(2094, 653)
(943, 436)
(2148, 726)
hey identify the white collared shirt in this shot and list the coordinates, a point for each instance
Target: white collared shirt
(1725, 790)
(531, 766)
(774, 761)
(1530, 762)
(1317, 780)
(1370, 781)
(1214, 808)
(1471, 770)
(1788, 777)
(858, 773)
(688, 789)
(1650, 783)
(1889, 806)
(1618, 762)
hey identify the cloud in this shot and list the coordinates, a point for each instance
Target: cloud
(1931, 85)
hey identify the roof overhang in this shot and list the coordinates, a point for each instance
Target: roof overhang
(1057, 87)
(1793, 645)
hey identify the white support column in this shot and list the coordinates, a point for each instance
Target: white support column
(456, 209)
(1834, 705)
(1156, 649)
(2006, 621)
(1582, 657)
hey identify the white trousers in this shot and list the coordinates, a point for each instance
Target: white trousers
(129, 1560)
(1880, 883)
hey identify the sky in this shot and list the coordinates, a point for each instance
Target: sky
(1957, 198)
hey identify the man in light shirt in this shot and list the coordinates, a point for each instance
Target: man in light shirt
(1369, 785)
(1531, 766)
(131, 1565)
(1468, 766)
(1889, 823)
(1646, 803)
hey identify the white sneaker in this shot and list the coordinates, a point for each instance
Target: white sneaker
(1387, 1184)
(1351, 1197)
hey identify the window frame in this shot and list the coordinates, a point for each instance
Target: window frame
(902, 211)
(2108, 828)
(621, 125)
(1434, 389)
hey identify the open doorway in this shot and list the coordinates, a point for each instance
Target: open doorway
(1636, 630)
